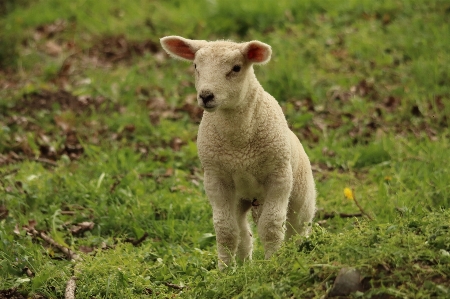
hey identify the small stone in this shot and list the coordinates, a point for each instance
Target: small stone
(347, 281)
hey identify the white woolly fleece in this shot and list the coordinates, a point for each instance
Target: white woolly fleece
(252, 160)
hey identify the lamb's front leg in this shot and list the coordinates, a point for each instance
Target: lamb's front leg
(221, 196)
(274, 209)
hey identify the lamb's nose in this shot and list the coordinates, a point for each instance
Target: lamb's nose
(206, 96)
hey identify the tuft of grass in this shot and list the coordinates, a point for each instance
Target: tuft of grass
(387, 255)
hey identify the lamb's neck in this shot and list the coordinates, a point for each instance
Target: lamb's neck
(238, 125)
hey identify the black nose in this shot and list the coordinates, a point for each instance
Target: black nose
(206, 96)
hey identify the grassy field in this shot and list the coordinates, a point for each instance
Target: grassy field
(98, 160)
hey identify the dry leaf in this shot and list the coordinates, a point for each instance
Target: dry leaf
(52, 48)
(168, 173)
(176, 143)
(85, 249)
(3, 212)
(81, 227)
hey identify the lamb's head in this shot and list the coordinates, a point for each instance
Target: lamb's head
(223, 69)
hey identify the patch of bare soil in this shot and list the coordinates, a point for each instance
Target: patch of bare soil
(54, 121)
(119, 48)
(387, 114)
(11, 294)
(108, 49)
(20, 149)
(34, 102)
(54, 137)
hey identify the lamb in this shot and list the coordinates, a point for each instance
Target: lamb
(251, 158)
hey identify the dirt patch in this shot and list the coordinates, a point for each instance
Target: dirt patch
(51, 138)
(385, 114)
(47, 125)
(20, 148)
(50, 30)
(32, 103)
(11, 294)
(112, 48)
(118, 48)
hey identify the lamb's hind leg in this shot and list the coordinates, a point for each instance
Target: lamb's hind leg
(298, 220)
(244, 250)
(302, 207)
(274, 210)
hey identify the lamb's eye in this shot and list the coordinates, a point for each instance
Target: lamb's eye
(195, 66)
(236, 68)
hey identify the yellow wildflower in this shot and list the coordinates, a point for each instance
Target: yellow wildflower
(387, 178)
(348, 193)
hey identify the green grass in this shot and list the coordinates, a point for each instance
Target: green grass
(364, 84)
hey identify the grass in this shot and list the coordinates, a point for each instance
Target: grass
(98, 125)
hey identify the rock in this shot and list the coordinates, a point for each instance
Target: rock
(347, 281)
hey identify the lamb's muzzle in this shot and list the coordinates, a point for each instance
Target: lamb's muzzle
(207, 98)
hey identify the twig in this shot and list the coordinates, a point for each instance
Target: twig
(138, 241)
(70, 213)
(359, 206)
(146, 175)
(40, 160)
(71, 210)
(70, 288)
(117, 181)
(341, 215)
(13, 171)
(413, 158)
(174, 286)
(46, 161)
(69, 253)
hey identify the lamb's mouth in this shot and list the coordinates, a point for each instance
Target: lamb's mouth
(210, 107)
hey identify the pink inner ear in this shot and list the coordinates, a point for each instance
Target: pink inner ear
(256, 53)
(180, 48)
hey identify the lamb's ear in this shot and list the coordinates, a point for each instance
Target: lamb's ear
(257, 52)
(180, 47)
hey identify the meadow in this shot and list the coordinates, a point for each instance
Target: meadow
(99, 174)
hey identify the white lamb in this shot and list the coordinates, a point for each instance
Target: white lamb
(249, 154)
